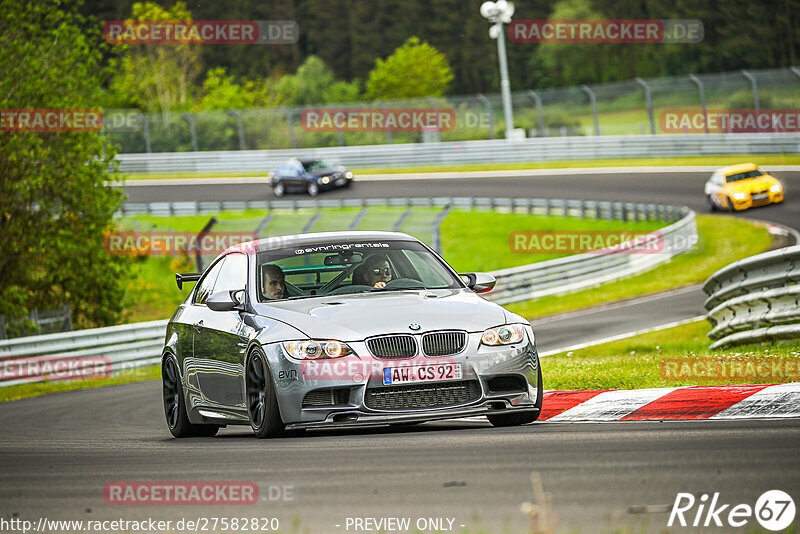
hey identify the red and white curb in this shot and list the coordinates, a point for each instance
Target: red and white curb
(665, 404)
(679, 403)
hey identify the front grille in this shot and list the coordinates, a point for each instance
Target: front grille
(422, 395)
(327, 397)
(401, 346)
(443, 343)
(507, 383)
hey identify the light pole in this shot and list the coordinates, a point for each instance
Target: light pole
(499, 13)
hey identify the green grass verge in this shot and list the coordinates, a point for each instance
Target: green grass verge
(723, 240)
(636, 362)
(761, 159)
(22, 391)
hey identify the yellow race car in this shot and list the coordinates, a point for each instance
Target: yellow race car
(742, 186)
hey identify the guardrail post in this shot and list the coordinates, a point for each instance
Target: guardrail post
(67, 317)
(146, 124)
(702, 91)
(192, 131)
(488, 106)
(239, 127)
(593, 101)
(198, 256)
(754, 85)
(34, 315)
(2, 327)
(649, 99)
(539, 112)
(388, 130)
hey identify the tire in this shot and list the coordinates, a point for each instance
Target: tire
(516, 419)
(313, 189)
(731, 207)
(711, 206)
(262, 404)
(175, 405)
(279, 190)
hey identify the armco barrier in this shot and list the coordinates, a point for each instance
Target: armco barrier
(536, 149)
(133, 345)
(755, 299)
(123, 347)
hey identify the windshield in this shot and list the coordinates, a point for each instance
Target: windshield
(350, 267)
(316, 165)
(743, 176)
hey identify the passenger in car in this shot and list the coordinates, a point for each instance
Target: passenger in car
(274, 283)
(374, 271)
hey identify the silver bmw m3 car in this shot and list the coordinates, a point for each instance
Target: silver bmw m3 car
(343, 329)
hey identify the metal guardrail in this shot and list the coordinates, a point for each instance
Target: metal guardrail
(465, 152)
(755, 299)
(133, 345)
(119, 348)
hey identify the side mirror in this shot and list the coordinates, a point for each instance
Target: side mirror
(479, 282)
(224, 300)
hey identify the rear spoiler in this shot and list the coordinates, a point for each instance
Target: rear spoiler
(188, 277)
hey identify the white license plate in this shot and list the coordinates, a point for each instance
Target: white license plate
(421, 373)
(340, 181)
(760, 196)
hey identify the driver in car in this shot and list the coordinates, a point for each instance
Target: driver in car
(375, 271)
(274, 283)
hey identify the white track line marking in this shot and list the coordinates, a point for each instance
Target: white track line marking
(621, 336)
(606, 307)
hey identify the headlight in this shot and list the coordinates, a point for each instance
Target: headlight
(314, 349)
(325, 180)
(775, 188)
(740, 196)
(503, 335)
(348, 175)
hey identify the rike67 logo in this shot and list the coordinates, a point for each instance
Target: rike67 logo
(774, 510)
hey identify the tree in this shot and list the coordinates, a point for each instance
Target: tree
(54, 205)
(415, 69)
(314, 83)
(156, 77)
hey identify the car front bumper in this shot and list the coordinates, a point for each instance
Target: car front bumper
(353, 383)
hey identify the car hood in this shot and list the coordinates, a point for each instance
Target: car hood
(358, 316)
(752, 185)
(327, 171)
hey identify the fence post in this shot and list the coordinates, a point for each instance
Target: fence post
(388, 130)
(206, 229)
(700, 88)
(68, 315)
(2, 327)
(755, 88)
(593, 101)
(488, 106)
(146, 125)
(192, 131)
(437, 240)
(649, 99)
(539, 112)
(240, 127)
(288, 114)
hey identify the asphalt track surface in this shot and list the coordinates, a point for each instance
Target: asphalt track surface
(57, 452)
